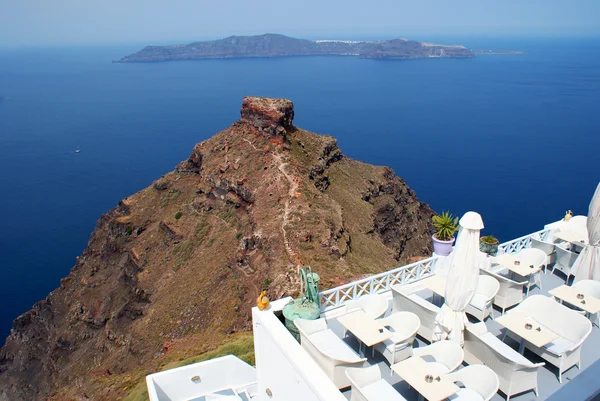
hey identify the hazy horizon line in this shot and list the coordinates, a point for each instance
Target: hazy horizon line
(312, 36)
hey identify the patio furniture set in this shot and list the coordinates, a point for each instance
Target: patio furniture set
(550, 330)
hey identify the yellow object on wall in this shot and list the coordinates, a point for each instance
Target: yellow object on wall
(262, 301)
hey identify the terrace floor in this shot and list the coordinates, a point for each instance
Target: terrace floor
(547, 377)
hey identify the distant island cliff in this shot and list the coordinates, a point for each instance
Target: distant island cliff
(274, 45)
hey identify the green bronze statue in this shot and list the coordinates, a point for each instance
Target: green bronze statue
(307, 306)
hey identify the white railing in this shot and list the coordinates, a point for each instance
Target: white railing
(383, 282)
(376, 284)
(518, 244)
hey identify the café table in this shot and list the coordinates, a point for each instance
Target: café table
(573, 237)
(420, 376)
(517, 266)
(367, 330)
(527, 328)
(573, 296)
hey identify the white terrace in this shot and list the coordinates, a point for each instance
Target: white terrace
(316, 369)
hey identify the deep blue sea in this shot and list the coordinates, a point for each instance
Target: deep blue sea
(515, 138)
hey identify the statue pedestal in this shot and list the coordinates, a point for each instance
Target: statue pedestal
(299, 309)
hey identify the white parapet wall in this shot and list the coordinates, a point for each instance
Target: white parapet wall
(284, 369)
(227, 374)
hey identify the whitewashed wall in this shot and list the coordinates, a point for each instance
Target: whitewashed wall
(283, 368)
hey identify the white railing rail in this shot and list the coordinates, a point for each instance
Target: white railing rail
(520, 243)
(382, 282)
(376, 284)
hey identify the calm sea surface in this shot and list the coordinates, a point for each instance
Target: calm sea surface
(515, 138)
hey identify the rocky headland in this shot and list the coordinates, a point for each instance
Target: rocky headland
(274, 45)
(170, 274)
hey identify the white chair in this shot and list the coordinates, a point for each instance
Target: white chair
(516, 373)
(510, 292)
(405, 300)
(404, 325)
(578, 224)
(480, 306)
(564, 260)
(329, 351)
(572, 330)
(447, 355)
(545, 245)
(374, 306)
(590, 288)
(479, 381)
(536, 258)
(367, 385)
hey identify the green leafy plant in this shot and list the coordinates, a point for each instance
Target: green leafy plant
(446, 225)
(178, 215)
(490, 239)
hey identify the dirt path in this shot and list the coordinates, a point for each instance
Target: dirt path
(293, 187)
(281, 165)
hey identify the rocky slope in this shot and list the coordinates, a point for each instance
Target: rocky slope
(273, 45)
(173, 270)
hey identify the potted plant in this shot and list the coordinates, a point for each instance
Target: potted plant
(443, 239)
(489, 244)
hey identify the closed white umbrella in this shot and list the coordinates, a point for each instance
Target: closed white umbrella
(461, 281)
(587, 265)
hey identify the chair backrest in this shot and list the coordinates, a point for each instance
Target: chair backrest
(487, 285)
(405, 323)
(589, 287)
(447, 352)
(491, 351)
(374, 306)
(565, 257)
(404, 301)
(501, 279)
(361, 377)
(545, 246)
(532, 256)
(577, 224)
(308, 327)
(558, 318)
(479, 378)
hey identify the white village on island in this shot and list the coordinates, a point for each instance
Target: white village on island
(478, 321)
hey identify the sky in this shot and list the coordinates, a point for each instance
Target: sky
(56, 22)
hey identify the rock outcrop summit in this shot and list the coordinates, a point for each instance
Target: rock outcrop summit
(172, 272)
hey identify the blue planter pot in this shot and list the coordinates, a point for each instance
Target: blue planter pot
(490, 249)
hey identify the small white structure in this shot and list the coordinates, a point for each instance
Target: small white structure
(225, 378)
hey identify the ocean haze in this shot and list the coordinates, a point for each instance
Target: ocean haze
(511, 137)
(35, 22)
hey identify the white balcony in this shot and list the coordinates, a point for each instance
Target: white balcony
(285, 371)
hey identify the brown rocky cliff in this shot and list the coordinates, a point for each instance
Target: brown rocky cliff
(173, 270)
